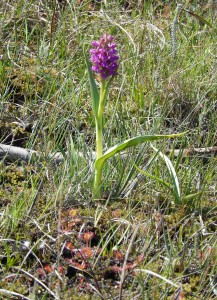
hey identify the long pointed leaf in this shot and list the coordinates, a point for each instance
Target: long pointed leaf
(166, 184)
(131, 143)
(173, 175)
(93, 87)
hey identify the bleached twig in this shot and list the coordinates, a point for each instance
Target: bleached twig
(13, 153)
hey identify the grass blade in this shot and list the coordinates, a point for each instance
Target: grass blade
(157, 275)
(201, 19)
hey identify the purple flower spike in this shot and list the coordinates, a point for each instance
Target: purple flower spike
(104, 57)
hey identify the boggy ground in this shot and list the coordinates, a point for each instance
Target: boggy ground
(135, 242)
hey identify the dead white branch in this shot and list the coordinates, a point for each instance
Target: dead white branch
(12, 153)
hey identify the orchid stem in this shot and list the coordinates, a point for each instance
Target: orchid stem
(99, 139)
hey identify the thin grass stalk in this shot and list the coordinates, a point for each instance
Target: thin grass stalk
(174, 29)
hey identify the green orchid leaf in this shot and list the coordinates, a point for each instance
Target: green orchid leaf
(93, 87)
(190, 197)
(173, 175)
(166, 184)
(131, 143)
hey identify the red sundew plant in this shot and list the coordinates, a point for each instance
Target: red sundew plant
(104, 58)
